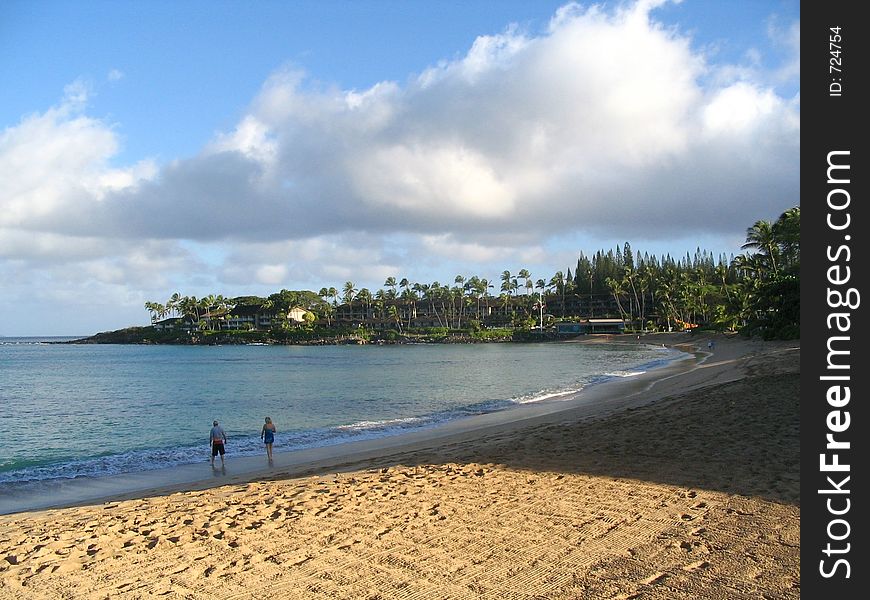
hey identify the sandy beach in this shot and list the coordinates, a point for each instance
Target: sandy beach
(684, 485)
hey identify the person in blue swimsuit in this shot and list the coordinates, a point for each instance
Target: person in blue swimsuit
(268, 436)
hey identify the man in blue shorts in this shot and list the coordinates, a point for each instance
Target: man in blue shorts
(217, 438)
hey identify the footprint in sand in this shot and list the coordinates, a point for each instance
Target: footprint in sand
(696, 566)
(654, 578)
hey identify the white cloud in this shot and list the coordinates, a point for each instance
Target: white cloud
(602, 101)
(58, 161)
(739, 108)
(606, 124)
(251, 138)
(447, 246)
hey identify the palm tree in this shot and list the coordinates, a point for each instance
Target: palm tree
(617, 289)
(457, 296)
(365, 296)
(328, 311)
(524, 274)
(761, 238)
(558, 282)
(190, 308)
(722, 277)
(486, 285)
(432, 293)
(394, 315)
(787, 232)
(541, 286)
(348, 293)
(506, 281)
(172, 305)
(156, 309)
(391, 283)
(324, 294)
(409, 295)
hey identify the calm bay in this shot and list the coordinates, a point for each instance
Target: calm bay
(71, 411)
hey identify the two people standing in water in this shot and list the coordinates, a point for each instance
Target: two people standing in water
(218, 438)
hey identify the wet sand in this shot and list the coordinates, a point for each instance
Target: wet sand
(686, 487)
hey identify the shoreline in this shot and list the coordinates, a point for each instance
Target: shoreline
(594, 398)
(688, 484)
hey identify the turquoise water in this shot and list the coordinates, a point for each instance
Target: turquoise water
(93, 410)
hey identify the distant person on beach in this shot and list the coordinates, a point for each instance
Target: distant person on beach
(268, 436)
(218, 439)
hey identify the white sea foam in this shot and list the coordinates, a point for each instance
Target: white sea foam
(359, 425)
(623, 374)
(548, 395)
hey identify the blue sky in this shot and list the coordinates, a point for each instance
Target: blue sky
(236, 147)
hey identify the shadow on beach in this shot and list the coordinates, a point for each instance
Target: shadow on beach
(738, 438)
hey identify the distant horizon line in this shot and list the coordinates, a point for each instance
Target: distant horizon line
(53, 335)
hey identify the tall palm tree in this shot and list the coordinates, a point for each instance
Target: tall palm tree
(348, 293)
(156, 309)
(365, 296)
(558, 282)
(486, 285)
(457, 299)
(172, 305)
(391, 283)
(633, 299)
(526, 277)
(541, 286)
(506, 281)
(326, 308)
(409, 295)
(433, 294)
(394, 315)
(787, 232)
(617, 289)
(761, 238)
(190, 307)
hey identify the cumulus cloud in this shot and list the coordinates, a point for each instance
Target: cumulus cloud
(590, 120)
(607, 121)
(57, 162)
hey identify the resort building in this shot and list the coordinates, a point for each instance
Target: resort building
(243, 316)
(587, 326)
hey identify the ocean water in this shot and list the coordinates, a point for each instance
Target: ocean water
(69, 411)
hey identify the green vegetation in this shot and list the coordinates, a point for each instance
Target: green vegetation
(757, 293)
